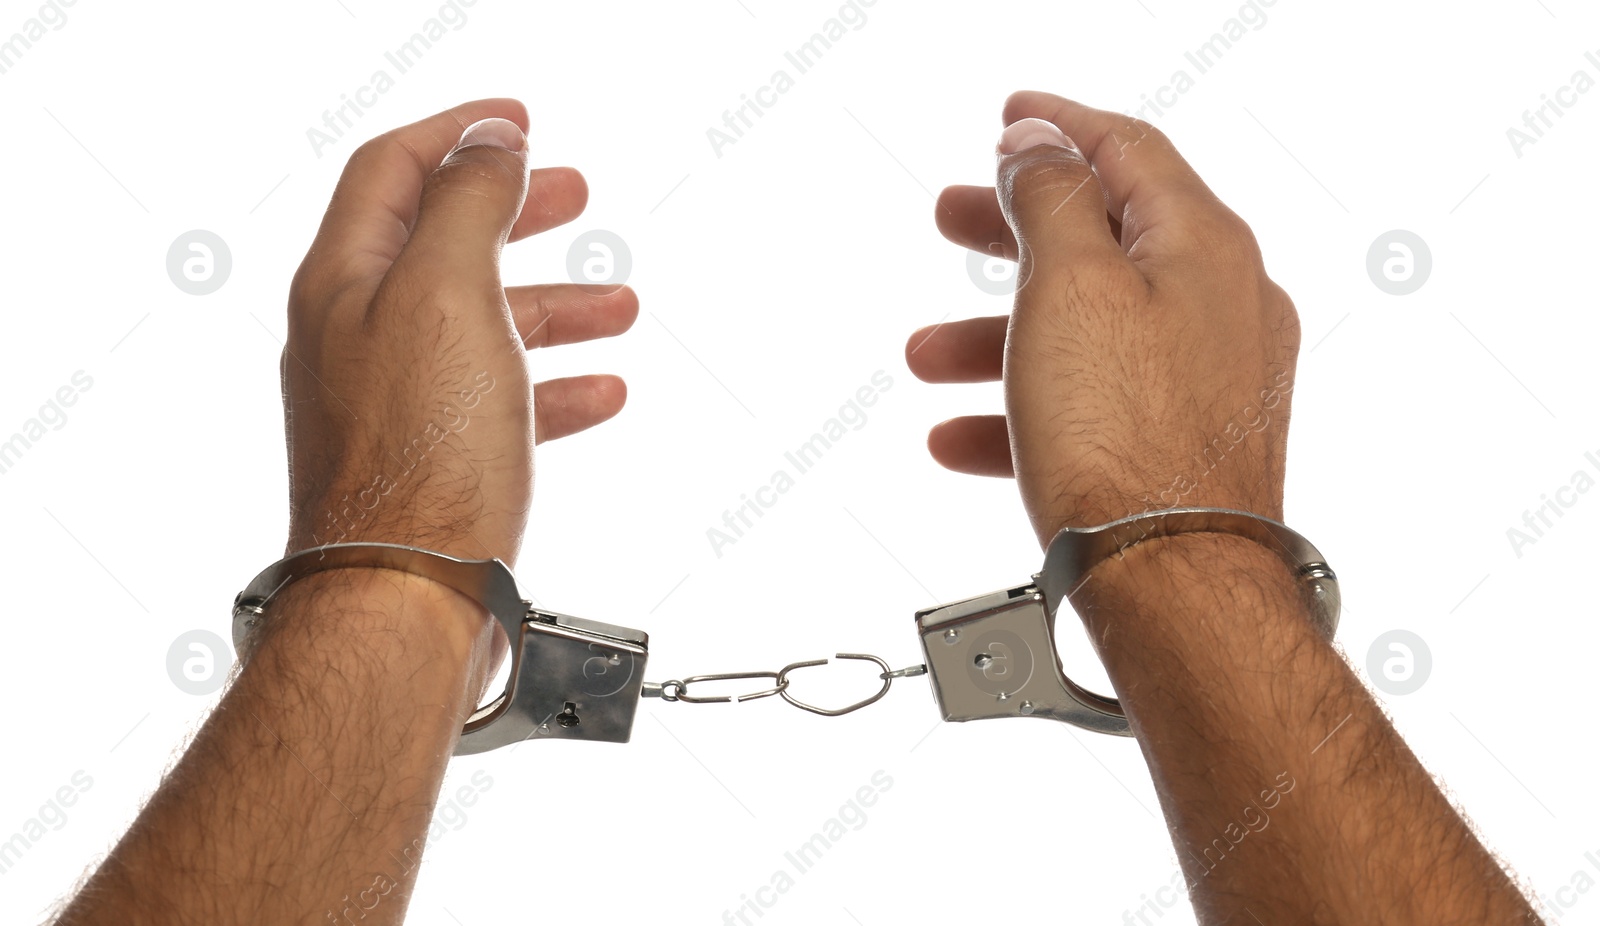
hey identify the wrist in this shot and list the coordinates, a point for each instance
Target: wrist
(1171, 582)
(1204, 631)
(384, 620)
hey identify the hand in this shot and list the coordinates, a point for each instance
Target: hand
(409, 411)
(1148, 359)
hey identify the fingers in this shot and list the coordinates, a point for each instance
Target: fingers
(566, 313)
(467, 209)
(977, 445)
(565, 406)
(970, 216)
(1147, 182)
(967, 351)
(375, 202)
(1053, 203)
(556, 196)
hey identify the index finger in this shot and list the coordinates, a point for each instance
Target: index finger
(375, 202)
(1148, 184)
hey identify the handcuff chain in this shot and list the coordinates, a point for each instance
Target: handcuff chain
(679, 689)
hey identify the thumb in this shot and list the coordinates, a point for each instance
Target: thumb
(468, 206)
(1052, 200)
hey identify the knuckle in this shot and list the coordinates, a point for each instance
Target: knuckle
(310, 284)
(1287, 317)
(371, 149)
(472, 173)
(1223, 235)
(321, 294)
(1133, 135)
(387, 148)
(1053, 176)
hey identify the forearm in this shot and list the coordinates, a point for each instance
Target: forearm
(309, 791)
(1286, 790)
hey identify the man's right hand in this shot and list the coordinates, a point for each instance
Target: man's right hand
(1147, 365)
(1148, 360)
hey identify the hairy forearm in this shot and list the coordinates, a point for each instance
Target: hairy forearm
(1287, 792)
(308, 792)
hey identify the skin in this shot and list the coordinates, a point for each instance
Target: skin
(1144, 327)
(309, 791)
(1148, 363)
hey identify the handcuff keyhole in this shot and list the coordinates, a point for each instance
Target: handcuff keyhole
(568, 716)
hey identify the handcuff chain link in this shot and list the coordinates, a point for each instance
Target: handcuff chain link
(679, 689)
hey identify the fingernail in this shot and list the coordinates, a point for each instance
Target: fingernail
(496, 133)
(1028, 133)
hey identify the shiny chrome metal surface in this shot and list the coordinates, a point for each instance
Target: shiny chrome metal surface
(994, 655)
(570, 678)
(677, 689)
(576, 679)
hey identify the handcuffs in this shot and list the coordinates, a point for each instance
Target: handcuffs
(987, 656)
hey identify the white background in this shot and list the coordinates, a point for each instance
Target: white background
(793, 267)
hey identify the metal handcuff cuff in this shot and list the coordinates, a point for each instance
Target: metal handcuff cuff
(987, 656)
